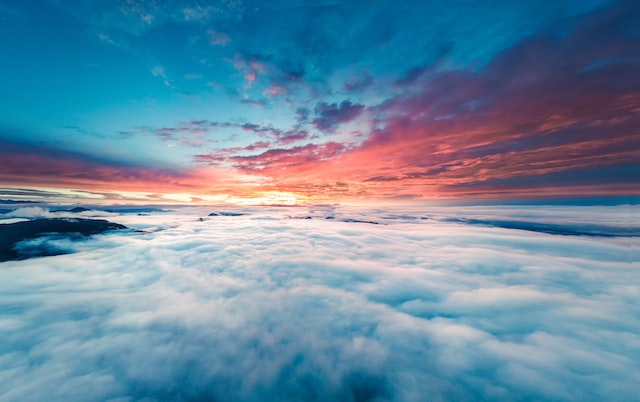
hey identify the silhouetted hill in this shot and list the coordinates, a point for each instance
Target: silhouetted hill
(11, 234)
(226, 214)
(74, 210)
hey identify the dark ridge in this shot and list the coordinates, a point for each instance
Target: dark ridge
(13, 233)
(350, 220)
(5, 211)
(359, 221)
(79, 209)
(134, 210)
(226, 214)
(75, 210)
(554, 229)
(12, 202)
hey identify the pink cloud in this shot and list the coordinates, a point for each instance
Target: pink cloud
(27, 165)
(280, 158)
(535, 117)
(274, 91)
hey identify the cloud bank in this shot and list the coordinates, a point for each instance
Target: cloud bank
(258, 307)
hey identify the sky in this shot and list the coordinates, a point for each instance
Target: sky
(295, 102)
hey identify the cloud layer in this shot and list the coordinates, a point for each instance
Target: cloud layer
(260, 307)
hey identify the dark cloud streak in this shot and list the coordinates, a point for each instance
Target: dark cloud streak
(329, 116)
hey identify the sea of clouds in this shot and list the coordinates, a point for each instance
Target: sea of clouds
(327, 304)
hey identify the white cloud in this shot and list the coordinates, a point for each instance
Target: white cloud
(257, 307)
(39, 212)
(107, 39)
(160, 72)
(29, 212)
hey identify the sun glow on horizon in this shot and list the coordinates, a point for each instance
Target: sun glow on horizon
(275, 198)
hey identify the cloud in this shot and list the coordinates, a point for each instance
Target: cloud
(284, 158)
(256, 307)
(30, 212)
(530, 112)
(159, 71)
(26, 194)
(137, 17)
(547, 116)
(218, 38)
(251, 67)
(274, 90)
(39, 212)
(107, 39)
(196, 11)
(330, 115)
(276, 80)
(358, 83)
(39, 166)
(191, 134)
(289, 137)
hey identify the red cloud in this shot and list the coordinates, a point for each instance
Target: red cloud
(276, 160)
(541, 113)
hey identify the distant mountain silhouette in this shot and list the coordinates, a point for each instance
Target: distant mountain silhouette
(225, 214)
(78, 209)
(133, 210)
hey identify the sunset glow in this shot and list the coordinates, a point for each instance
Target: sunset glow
(336, 102)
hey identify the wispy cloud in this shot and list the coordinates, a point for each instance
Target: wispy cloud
(218, 38)
(159, 71)
(27, 165)
(280, 159)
